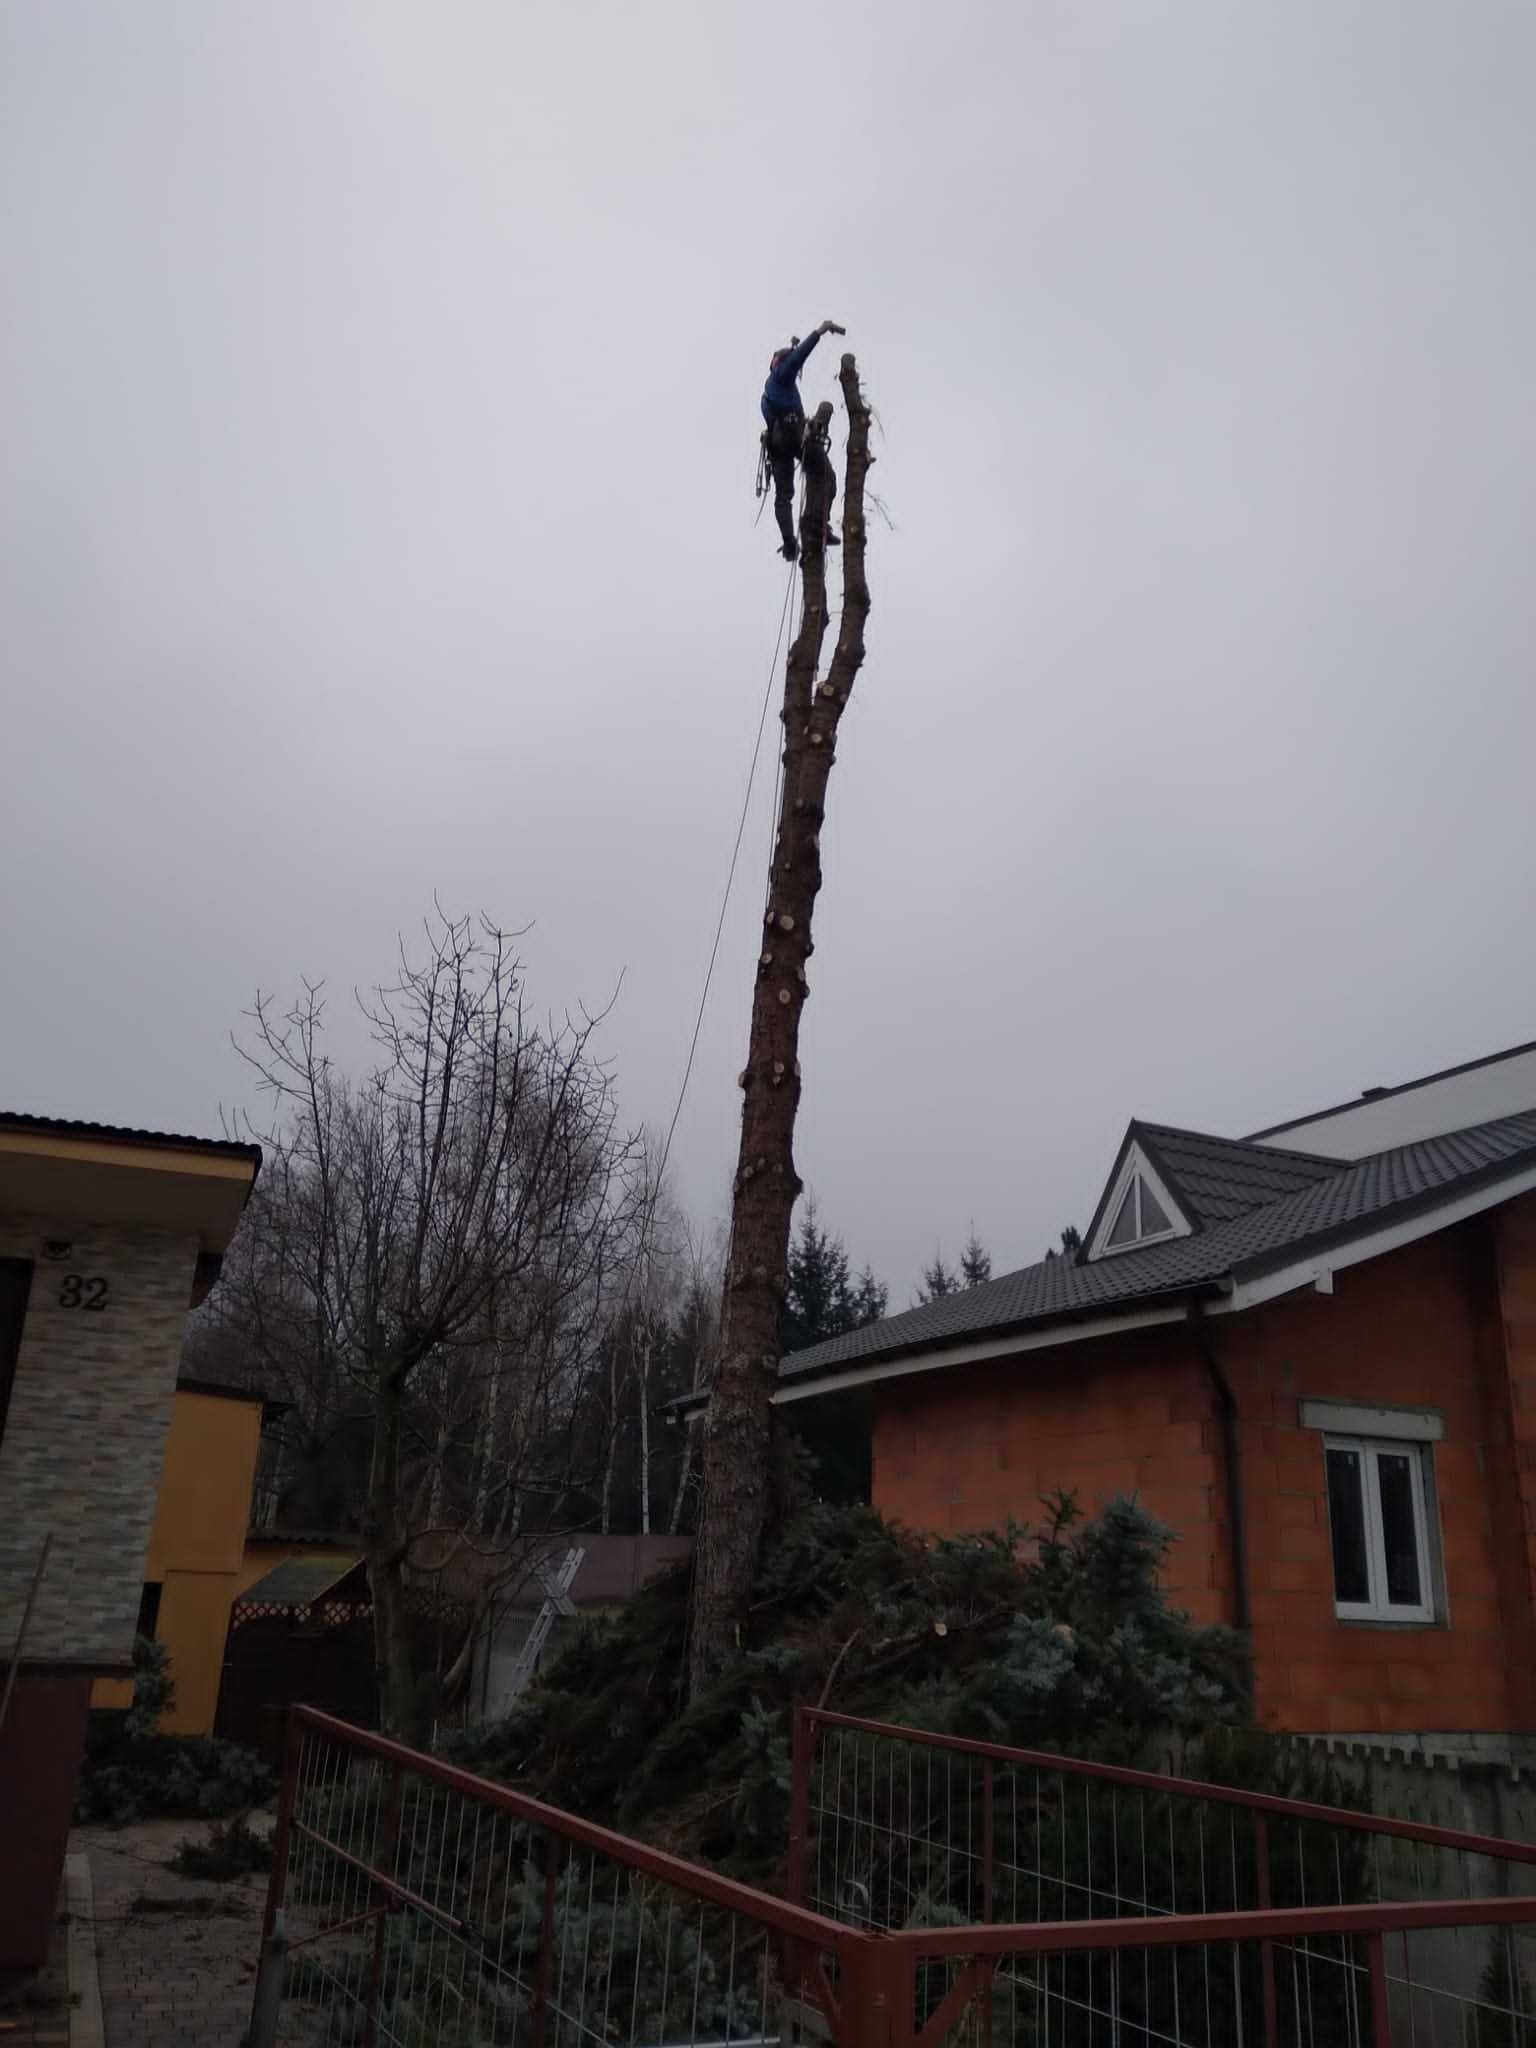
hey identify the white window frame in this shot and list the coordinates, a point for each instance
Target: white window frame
(1136, 1166)
(1378, 1607)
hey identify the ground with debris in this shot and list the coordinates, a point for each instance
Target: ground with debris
(34, 2012)
(176, 1955)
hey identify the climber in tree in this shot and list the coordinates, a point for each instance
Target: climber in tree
(784, 429)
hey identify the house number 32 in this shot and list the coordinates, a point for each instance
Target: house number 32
(83, 1290)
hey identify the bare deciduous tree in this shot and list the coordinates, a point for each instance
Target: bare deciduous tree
(433, 1261)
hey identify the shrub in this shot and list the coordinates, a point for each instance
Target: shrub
(131, 1772)
(1059, 1637)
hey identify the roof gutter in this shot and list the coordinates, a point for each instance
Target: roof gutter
(1232, 1460)
(900, 1361)
(1312, 1261)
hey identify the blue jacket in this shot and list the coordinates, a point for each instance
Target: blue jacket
(781, 394)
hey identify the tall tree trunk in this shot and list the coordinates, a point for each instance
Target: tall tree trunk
(439, 1456)
(605, 1516)
(487, 1443)
(644, 1379)
(684, 1474)
(738, 1426)
(386, 1567)
(511, 1514)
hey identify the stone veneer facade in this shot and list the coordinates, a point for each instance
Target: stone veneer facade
(85, 1433)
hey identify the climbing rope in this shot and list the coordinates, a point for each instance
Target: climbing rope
(725, 898)
(778, 761)
(786, 614)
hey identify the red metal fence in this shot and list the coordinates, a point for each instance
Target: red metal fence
(415, 1904)
(941, 1892)
(1136, 1903)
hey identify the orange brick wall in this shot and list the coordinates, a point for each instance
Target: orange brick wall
(968, 1449)
(1399, 1331)
(1512, 1343)
(1137, 1414)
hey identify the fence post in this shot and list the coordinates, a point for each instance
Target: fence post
(1376, 1966)
(546, 1939)
(987, 1840)
(267, 2004)
(271, 1970)
(879, 2001)
(384, 1864)
(987, 1858)
(802, 1751)
(277, 1883)
(1266, 1947)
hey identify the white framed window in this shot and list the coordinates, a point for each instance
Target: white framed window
(1378, 1517)
(1140, 1210)
(1140, 1217)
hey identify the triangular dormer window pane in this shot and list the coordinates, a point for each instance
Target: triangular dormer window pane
(1125, 1230)
(1139, 1207)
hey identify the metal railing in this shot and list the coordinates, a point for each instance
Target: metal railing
(1318, 1977)
(412, 1903)
(904, 1832)
(942, 1892)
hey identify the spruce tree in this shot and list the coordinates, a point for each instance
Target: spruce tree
(868, 1299)
(937, 1281)
(975, 1262)
(817, 1300)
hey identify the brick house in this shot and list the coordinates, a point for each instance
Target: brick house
(107, 1238)
(1312, 1352)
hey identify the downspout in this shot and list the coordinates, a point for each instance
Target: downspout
(1232, 1458)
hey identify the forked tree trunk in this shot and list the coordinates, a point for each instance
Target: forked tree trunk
(738, 1426)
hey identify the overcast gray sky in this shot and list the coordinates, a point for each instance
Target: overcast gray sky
(379, 390)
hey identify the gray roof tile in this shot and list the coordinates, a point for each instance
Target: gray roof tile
(1223, 1177)
(1320, 1207)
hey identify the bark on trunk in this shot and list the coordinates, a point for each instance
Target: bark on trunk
(737, 1436)
(435, 1505)
(386, 1569)
(643, 1379)
(487, 1447)
(605, 1513)
(684, 1473)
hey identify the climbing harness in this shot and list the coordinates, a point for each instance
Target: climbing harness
(782, 440)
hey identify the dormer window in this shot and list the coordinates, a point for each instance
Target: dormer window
(1141, 1217)
(1141, 1209)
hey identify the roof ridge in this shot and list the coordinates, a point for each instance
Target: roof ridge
(1511, 1116)
(1317, 1116)
(1241, 1144)
(1347, 1198)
